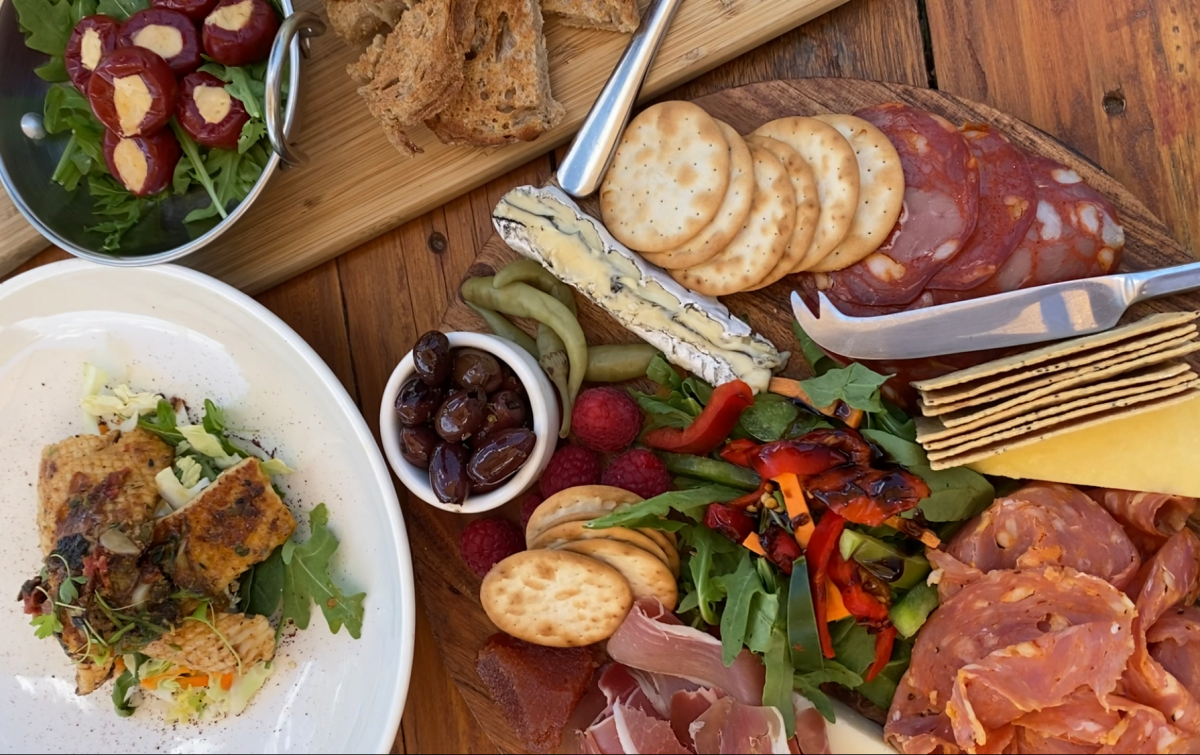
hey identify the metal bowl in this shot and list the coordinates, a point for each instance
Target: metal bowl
(27, 162)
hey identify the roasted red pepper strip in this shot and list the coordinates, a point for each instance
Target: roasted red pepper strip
(883, 652)
(820, 550)
(751, 499)
(713, 425)
(738, 451)
(867, 496)
(860, 603)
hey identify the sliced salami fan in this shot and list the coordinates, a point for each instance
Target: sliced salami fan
(1007, 204)
(1075, 234)
(941, 207)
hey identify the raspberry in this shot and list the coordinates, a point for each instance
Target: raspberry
(638, 471)
(487, 542)
(570, 466)
(606, 419)
(529, 504)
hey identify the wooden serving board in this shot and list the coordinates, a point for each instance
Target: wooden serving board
(450, 590)
(356, 186)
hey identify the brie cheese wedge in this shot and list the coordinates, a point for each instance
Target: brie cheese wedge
(695, 332)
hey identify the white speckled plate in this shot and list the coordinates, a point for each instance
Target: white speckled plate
(181, 333)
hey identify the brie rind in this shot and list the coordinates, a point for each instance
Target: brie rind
(694, 331)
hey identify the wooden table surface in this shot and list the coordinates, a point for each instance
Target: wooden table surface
(1116, 80)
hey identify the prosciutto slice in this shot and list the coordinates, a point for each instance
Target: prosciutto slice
(1008, 644)
(1044, 524)
(652, 639)
(731, 727)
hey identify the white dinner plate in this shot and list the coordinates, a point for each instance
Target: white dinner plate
(177, 332)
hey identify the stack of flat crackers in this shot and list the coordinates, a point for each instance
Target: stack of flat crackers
(723, 213)
(574, 585)
(1013, 402)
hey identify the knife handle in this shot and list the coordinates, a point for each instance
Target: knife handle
(588, 159)
(1153, 284)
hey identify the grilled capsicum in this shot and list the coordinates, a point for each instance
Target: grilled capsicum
(821, 547)
(714, 424)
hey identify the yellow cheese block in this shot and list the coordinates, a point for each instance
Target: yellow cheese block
(1155, 452)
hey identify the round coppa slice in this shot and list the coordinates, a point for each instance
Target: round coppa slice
(1007, 203)
(555, 598)
(941, 207)
(668, 178)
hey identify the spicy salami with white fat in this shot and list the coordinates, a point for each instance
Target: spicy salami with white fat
(941, 207)
(1007, 204)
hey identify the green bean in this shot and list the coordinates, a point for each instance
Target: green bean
(521, 300)
(721, 472)
(531, 272)
(624, 361)
(503, 327)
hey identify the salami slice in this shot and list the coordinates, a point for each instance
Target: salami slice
(1075, 234)
(941, 207)
(1007, 203)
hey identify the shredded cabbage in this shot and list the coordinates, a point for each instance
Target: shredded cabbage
(189, 471)
(121, 407)
(190, 703)
(208, 444)
(275, 466)
(173, 491)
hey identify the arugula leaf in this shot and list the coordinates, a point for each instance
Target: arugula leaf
(809, 685)
(761, 622)
(246, 83)
(233, 176)
(252, 132)
(124, 684)
(955, 494)
(162, 423)
(690, 503)
(882, 689)
(47, 25)
(697, 390)
(660, 371)
(46, 624)
(306, 581)
(769, 417)
(818, 361)
(55, 70)
(121, 9)
(662, 413)
(777, 688)
(261, 587)
(857, 385)
(111, 199)
(741, 587)
(712, 549)
(199, 172)
(894, 421)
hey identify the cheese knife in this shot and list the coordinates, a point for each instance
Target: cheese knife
(1032, 315)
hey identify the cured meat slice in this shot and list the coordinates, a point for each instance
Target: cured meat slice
(641, 733)
(941, 207)
(1075, 234)
(731, 727)
(1171, 578)
(1044, 524)
(1007, 203)
(1174, 641)
(1149, 513)
(1008, 644)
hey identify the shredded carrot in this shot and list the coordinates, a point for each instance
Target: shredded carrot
(788, 387)
(199, 680)
(752, 542)
(791, 388)
(226, 681)
(835, 608)
(797, 507)
(119, 666)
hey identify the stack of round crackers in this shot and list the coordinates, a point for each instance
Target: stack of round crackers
(723, 213)
(574, 585)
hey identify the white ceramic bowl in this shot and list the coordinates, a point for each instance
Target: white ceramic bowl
(542, 401)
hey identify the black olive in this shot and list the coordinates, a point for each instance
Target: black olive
(448, 473)
(431, 357)
(416, 402)
(473, 367)
(461, 414)
(505, 409)
(501, 456)
(417, 444)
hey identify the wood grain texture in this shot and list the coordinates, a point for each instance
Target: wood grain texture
(1116, 80)
(451, 589)
(356, 186)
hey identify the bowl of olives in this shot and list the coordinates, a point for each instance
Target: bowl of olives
(468, 421)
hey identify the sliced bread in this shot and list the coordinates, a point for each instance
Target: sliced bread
(417, 69)
(506, 96)
(357, 21)
(610, 15)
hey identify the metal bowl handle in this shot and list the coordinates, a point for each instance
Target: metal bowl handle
(307, 25)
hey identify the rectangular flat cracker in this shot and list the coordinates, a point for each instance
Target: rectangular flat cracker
(1081, 385)
(1145, 326)
(1080, 423)
(1047, 384)
(978, 388)
(1051, 426)
(957, 437)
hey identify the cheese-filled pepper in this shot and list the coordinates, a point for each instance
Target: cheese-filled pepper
(193, 9)
(133, 91)
(208, 113)
(143, 164)
(238, 32)
(170, 34)
(91, 39)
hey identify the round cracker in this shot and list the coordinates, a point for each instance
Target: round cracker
(880, 191)
(647, 576)
(667, 179)
(555, 598)
(735, 208)
(762, 241)
(836, 171)
(666, 541)
(572, 531)
(808, 210)
(579, 504)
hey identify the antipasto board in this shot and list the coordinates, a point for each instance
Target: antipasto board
(450, 589)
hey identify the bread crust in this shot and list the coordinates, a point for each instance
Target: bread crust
(609, 15)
